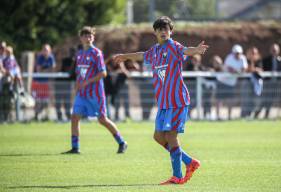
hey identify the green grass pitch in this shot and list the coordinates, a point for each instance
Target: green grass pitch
(236, 156)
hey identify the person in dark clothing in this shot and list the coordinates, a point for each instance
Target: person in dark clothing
(63, 86)
(271, 92)
(250, 96)
(115, 84)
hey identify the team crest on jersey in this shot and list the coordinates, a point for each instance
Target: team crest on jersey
(161, 74)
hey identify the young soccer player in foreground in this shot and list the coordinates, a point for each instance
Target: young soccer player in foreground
(90, 97)
(166, 59)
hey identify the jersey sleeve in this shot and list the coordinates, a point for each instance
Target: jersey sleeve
(180, 51)
(100, 62)
(148, 56)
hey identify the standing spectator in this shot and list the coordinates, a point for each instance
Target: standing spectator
(12, 82)
(2, 57)
(123, 73)
(45, 62)
(216, 64)
(109, 84)
(146, 93)
(115, 84)
(235, 63)
(207, 86)
(250, 92)
(63, 86)
(271, 93)
(2, 73)
(12, 68)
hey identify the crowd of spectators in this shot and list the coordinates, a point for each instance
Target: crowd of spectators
(254, 93)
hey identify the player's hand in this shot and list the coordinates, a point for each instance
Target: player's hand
(119, 58)
(202, 47)
(81, 85)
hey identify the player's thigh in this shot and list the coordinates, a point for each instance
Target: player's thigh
(172, 138)
(159, 136)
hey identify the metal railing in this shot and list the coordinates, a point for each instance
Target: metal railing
(137, 97)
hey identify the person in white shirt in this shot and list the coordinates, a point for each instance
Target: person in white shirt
(235, 63)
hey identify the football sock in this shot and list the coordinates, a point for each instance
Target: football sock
(176, 158)
(75, 142)
(119, 139)
(185, 157)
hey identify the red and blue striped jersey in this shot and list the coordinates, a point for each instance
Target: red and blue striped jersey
(166, 62)
(88, 64)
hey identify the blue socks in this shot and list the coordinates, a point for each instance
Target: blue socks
(75, 142)
(185, 157)
(176, 157)
(119, 139)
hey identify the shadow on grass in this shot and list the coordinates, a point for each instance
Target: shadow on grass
(81, 186)
(25, 155)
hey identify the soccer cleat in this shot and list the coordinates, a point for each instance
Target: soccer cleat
(173, 180)
(195, 164)
(122, 147)
(72, 151)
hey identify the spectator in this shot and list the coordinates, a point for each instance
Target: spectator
(63, 86)
(250, 92)
(146, 93)
(12, 82)
(216, 64)
(12, 68)
(115, 82)
(109, 84)
(123, 73)
(270, 95)
(45, 62)
(2, 57)
(2, 72)
(195, 64)
(235, 63)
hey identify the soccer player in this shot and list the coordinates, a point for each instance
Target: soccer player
(166, 58)
(90, 97)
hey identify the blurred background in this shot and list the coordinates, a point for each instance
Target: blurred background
(33, 32)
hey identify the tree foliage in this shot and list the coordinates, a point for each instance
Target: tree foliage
(27, 24)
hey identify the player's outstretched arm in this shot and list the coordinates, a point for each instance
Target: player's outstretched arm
(138, 56)
(200, 49)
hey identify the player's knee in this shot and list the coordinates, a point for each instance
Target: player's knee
(75, 118)
(102, 120)
(156, 137)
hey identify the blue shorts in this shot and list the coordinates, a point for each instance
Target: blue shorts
(171, 119)
(88, 107)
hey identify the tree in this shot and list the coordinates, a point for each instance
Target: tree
(30, 23)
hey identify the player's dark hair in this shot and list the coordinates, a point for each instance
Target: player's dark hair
(162, 22)
(87, 30)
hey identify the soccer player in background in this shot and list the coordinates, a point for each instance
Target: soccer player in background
(90, 97)
(166, 58)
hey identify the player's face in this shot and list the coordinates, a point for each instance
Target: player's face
(163, 34)
(87, 39)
